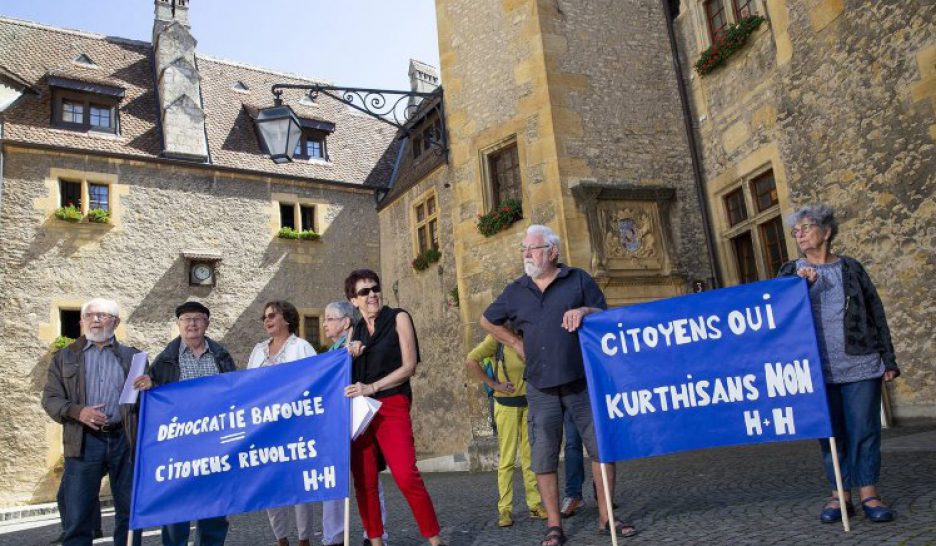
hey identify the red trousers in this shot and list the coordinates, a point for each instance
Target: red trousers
(391, 430)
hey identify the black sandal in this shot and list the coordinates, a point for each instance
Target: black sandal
(623, 530)
(554, 537)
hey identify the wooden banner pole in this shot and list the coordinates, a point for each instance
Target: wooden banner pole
(838, 483)
(607, 494)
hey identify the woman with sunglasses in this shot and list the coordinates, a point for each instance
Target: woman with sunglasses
(856, 350)
(385, 352)
(281, 321)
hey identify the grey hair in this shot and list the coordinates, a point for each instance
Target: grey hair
(549, 236)
(821, 214)
(103, 305)
(342, 308)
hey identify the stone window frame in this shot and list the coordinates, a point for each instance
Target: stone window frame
(430, 220)
(318, 314)
(753, 225)
(86, 180)
(486, 156)
(704, 35)
(298, 205)
(67, 309)
(87, 101)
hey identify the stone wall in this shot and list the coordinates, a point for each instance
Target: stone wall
(838, 97)
(488, 99)
(440, 422)
(159, 210)
(617, 115)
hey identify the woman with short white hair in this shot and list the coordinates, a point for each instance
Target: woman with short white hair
(856, 350)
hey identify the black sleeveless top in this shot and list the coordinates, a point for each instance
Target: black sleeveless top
(382, 353)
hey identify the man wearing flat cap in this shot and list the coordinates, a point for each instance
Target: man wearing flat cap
(191, 355)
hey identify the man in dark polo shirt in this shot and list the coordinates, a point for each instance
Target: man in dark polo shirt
(546, 306)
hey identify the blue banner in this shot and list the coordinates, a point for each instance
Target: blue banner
(726, 367)
(242, 441)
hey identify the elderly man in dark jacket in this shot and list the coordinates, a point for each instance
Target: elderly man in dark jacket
(191, 355)
(82, 393)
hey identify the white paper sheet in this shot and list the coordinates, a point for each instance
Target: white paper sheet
(363, 410)
(137, 367)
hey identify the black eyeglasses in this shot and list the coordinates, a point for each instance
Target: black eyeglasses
(367, 290)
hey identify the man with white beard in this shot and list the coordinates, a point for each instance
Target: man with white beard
(546, 306)
(83, 393)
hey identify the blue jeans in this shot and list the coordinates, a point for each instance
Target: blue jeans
(95, 511)
(574, 459)
(856, 423)
(211, 532)
(101, 453)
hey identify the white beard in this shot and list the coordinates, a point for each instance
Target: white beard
(100, 337)
(532, 270)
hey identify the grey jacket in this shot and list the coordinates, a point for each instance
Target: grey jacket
(64, 394)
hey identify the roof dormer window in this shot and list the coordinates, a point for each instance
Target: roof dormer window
(85, 106)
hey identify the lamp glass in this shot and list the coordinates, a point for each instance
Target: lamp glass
(279, 128)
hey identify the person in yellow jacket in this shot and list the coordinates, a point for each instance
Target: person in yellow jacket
(510, 416)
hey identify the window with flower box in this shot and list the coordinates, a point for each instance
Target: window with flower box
(755, 235)
(82, 196)
(298, 216)
(715, 17)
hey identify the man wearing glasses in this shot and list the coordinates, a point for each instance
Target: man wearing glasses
(546, 306)
(83, 393)
(191, 355)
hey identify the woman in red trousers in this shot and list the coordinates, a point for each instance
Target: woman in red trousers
(385, 354)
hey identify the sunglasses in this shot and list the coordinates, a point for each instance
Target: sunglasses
(367, 290)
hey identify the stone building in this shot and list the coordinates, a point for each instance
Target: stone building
(162, 142)
(832, 101)
(660, 181)
(586, 133)
(588, 116)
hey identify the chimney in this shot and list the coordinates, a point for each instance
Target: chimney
(178, 83)
(424, 78)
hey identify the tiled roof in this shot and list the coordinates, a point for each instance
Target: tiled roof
(410, 171)
(361, 150)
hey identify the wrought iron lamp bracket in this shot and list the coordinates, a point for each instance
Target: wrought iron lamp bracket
(381, 104)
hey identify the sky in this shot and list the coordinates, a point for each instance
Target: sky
(352, 43)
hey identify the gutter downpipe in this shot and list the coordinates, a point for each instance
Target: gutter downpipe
(716, 279)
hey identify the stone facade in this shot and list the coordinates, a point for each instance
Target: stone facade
(837, 98)
(555, 89)
(221, 204)
(137, 260)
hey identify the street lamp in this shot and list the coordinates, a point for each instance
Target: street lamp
(279, 130)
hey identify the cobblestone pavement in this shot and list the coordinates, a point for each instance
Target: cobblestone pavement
(765, 494)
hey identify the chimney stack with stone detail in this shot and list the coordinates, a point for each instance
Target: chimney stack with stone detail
(424, 78)
(178, 83)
